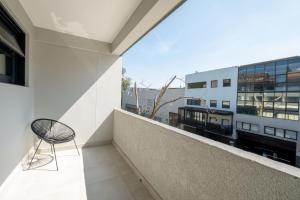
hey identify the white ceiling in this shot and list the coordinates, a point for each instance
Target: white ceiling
(95, 19)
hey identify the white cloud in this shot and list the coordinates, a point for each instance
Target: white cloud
(165, 45)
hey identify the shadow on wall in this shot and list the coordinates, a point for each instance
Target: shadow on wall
(79, 87)
(103, 134)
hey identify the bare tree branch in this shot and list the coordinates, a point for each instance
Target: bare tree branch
(138, 110)
(167, 102)
(159, 97)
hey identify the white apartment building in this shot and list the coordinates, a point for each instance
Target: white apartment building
(263, 99)
(212, 101)
(146, 97)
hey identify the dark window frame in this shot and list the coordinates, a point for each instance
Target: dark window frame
(226, 107)
(228, 84)
(285, 130)
(213, 81)
(296, 133)
(274, 130)
(213, 105)
(193, 102)
(197, 85)
(250, 126)
(13, 70)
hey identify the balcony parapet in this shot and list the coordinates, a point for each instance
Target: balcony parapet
(181, 165)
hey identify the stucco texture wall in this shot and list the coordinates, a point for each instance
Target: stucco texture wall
(180, 167)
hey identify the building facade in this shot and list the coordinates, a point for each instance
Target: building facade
(167, 114)
(211, 103)
(267, 119)
(262, 100)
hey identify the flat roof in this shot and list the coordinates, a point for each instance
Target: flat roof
(270, 61)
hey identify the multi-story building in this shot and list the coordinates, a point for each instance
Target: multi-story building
(146, 98)
(212, 103)
(267, 119)
(258, 111)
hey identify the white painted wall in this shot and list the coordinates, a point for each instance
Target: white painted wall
(16, 105)
(76, 85)
(179, 165)
(15, 117)
(220, 93)
(146, 100)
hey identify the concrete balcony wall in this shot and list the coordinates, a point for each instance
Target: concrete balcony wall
(178, 165)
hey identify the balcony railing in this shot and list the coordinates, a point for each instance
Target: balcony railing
(210, 127)
(175, 164)
(219, 129)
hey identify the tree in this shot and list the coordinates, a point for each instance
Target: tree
(138, 109)
(157, 105)
(126, 81)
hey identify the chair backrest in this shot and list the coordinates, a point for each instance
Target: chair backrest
(52, 130)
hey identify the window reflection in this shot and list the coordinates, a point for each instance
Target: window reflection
(270, 90)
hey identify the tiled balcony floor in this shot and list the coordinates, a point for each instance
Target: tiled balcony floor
(99, 173)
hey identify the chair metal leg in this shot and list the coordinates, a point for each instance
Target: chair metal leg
(34, 153)
(76, 147)
(51, 149)
(55, 158)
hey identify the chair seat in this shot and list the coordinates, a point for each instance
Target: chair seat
(52, 131)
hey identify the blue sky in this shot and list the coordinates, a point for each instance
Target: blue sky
(209, 34)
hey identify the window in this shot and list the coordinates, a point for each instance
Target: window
(291, 134)
(203, 102)
(279, 132)
(214, 84)
(281, 67)
(213, 120)
(282, 133)
(270, 89)
(239, 125)
(254, 128)
(225, 104)
(269, 130)
(246, 126)
(213, 103)
(225, 122)
(12, 48)
(294, 66)
(241, 96)
(197, 85)
(226, 82)
(195, 102)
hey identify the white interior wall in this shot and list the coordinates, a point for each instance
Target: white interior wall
(75, 85)
(16, 104)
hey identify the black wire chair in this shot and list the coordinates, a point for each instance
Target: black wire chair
(53, 132)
